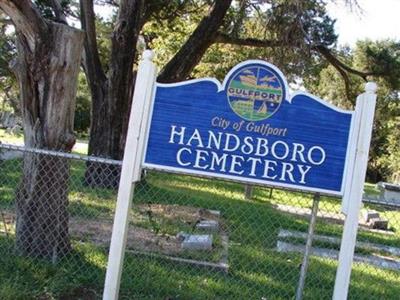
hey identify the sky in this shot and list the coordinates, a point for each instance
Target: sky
(378, 19)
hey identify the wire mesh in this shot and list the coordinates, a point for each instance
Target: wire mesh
(188, 237)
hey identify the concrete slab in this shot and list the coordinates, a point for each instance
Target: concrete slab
(336, 241)
(385, 263)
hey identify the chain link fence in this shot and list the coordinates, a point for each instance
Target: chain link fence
(188, 238)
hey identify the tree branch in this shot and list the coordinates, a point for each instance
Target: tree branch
(223, 38)
(58, 11)
(91, 61)
(343, 69)
(325, 52)
(345, 77)
(189, 55)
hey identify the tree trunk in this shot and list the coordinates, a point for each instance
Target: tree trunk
(42, 202)
(111, 93)
(47, 68)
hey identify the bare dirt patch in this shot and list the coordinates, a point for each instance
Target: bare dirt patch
(186, 214)
(139, 238)
(99, 233)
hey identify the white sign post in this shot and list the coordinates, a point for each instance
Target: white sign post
(361, 138)
(131, 171)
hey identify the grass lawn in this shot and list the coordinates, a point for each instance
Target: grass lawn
(256, 269)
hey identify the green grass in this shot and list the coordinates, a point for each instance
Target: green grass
(256, 269)
(24, 278)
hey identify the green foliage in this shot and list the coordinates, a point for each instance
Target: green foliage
(8, 83)
(47, 9)
(389, 161)
(301, 22)
(249, 20)
(104, 28)
(383, 58)
(167, 36)
(7, 52)
(82, 110)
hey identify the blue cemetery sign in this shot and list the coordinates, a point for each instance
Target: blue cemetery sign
(249, 129)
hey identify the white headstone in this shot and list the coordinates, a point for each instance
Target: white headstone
(208, 225)
(197, 242)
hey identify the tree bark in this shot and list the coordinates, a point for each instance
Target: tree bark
(47, 68)
(111, 92)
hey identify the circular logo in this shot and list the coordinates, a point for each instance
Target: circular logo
(255, 92)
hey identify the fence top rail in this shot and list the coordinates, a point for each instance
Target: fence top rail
(269, 185)
(119, 163)
(60, 154)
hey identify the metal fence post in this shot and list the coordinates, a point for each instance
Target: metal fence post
(307, 252)
(365, 108)
(131, 171)
(248, 191)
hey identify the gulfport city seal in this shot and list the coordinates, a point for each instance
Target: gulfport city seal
(255, 92)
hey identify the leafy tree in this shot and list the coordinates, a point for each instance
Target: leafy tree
(382, 58)
(390, 160)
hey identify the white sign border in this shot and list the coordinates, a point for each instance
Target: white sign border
(289, 98)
